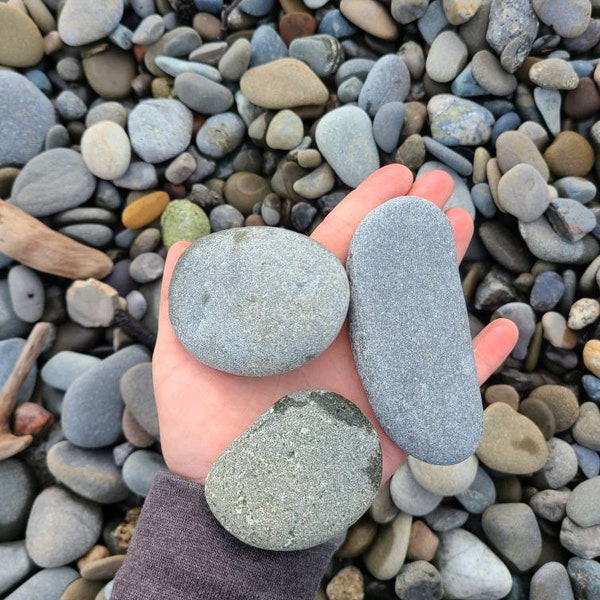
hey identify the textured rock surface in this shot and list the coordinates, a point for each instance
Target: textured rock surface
(419, 373)
(300, 475)
(307, 294)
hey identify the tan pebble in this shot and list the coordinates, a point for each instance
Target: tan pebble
(570, 154)
(309, 158)
(92, 303)
(493, 174)
(40, 14)
(207, 25)
(81, 589)
(382, 509)
(254, 221)
(591, 356)
(244, 189)
(554, 74)
(283, 83)
(584, 312)
(511, 443)
(480, 160)
(144, 210)
(7, 178)
(346, 584)
(502, 392)
(514, 147)
(423, 543)
(370, 16)
(557, 332)
(539, 412)
(96, 553)
(460, 11)
(586, 430)
(414, 119)
(30, 419)
(358, 538)
(102, 568)
(581, 541)
(385, 557)
(444, 480)
(20, 40)
(134, 433)
(561, 401)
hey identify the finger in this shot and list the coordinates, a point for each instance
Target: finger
(165, 332)
(462, 224)
(435, 186)
(492, 345)
(336, 231)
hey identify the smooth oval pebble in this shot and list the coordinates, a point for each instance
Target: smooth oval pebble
(511, 443)
(65, 367)
(105, 149)
(419, 373)
(257, 301)
(302, 473)
(583, 506)
(444, 480)
(140, 469)
(47, 584)
(409, 495)
(27, 293)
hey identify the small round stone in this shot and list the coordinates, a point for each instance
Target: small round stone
(582, 506)
(243, 190)
(105, 149)
(27, 293)
(586, 430)
(553, 74)
(139, 470)
(523, 193)
(409, 496)
(21, 43)
(225, 216)
(569, 18)
(285, 131)
(446, 58)
(570, 154)
(561, 466)
(583, 312)
(85, 21)
(146, 267)
(418, 579)
(301, 474)
(220, 134)
(144, 210)
(183, 220)
(346, 584)
(561, 401)
(226, 304)
(444, 480)
(551, 580)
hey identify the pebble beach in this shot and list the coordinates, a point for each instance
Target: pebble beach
(129, 125)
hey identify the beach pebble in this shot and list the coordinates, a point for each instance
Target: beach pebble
(15, 565)
(53, 181)
(377, 348)
(444, 480)
(106, 150)
(480, 494)
(505, 247)
(570, 219)
(159, 129)
(582, 506)
(234, 62)
(65, 367)
(588, 460)
(514, 148)
(314, 186)
(47, 583)
(220, 134)
(585, 577)
(548, 288)
(61, 527)
(386, 555)
(490, 75)
(570, 154)
(551, 582)
(370, 16)
(202, 94)
(523, 193)
(576, 188)
(225, 216)
(409, 496)
(523, 317)
(550, 504)
(85, 21)
(418, 579)
(137, 391)
(583, 542)
(92, 303)
(561, 401)
(347, 583)
(149, 30)
(144, 209)
(469, 569)
(183, 220)
(248, 341)
(16, 496)
(509, 20)
(334, 134)
(300, 444)
(22, 44)
(92, 406)
(591, 356)
(322, 53)
(140, 469)
(586, 429)
(561, 466)
(446, 57)
(456, 121)
(146, 267)
(504, 452)
(26, 293)
(553, 74)
(139, 176)
(285, 130)
(568, 18)
(91, 474)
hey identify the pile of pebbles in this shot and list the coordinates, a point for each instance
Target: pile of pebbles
(129, 126)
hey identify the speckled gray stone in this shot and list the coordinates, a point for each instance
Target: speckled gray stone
(508, 20)
(92, 474)
(15, 565)
(48, 584)
(26, 293)
(414, 354)
(303, 472)
(583, 506)
(65, 367)
(54, 180)
(16, 495)
(61, 527)
(137, 391)
(257, 300)
(92, 406)
(140, 469)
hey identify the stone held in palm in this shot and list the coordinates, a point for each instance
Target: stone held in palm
(300, 475)
(409, 331)
(257, 301)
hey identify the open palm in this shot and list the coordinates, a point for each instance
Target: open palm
(202, 410)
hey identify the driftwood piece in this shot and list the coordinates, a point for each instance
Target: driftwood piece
(29, 241)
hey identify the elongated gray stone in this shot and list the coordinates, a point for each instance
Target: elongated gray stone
(303, 472)
(258, 300)
(413, 348)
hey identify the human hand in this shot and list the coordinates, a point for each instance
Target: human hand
(202, 410)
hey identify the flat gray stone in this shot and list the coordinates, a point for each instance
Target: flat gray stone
(583, 506)
(26, 116)
(266, 300)
(85, 21)
(48, 584)
(92, 406)
(202, 94)
(413, 354)
(139, 470)
(523, 193)
(551, 582)
(336, 135)
(16, 496)
(61, 527)
(137, 391)
(92, 474)
(65, 367)
(303, 472)
(15, 565)
(53, 181)
(26, 293)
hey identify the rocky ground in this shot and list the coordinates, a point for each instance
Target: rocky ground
(128, 125)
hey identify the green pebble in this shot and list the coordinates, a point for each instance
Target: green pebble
(183, 220)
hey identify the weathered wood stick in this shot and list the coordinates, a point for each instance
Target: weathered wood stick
(32, 243)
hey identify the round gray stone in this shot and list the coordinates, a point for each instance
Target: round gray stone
(489, 74)
(585, 577)
(17, 493)
(561, 466)
(48, 584)
(159, 130)
(225, 216)
(480, 494)
(303, 472)
(140, 469)
(61, 527)
(568, 18)
(137, 391)
(92, 474)
(147, 267)
(446, 58)
(322, 53)
(92, 406)
(551, 582)
(270, 300)
(54, 180)
(85, 21)
(387, 125)
(15, 565)
(508, 20)
(583, 506)
(65, 367)
(410, 496)
(336, 135)
(10, 349)
(220, 134)
(202, 95)
(10, 324)
(26, 116)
